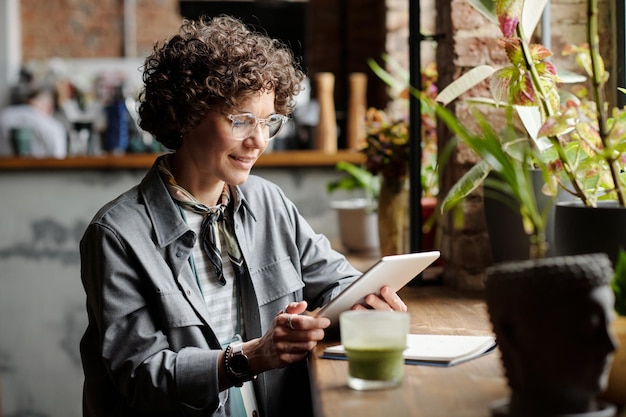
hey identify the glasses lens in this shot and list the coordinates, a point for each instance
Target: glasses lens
(274, 124)
(243, 125)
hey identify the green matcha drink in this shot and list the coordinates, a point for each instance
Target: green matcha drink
(382, 364)
(374, 343)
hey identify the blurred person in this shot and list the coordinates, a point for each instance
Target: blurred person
(198, 279)
(46, 136)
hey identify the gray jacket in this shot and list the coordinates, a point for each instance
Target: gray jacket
(148, 349)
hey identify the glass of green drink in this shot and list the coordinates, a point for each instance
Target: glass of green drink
(374, 343)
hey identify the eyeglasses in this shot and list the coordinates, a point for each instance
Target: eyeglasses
(245, 124)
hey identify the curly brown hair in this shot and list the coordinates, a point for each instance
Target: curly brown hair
(212, 63)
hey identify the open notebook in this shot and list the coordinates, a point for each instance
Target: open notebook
(426, 349)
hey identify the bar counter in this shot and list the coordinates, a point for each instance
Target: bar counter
(143, 161)
(465, 390)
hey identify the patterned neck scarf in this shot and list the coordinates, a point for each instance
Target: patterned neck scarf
(214, 217)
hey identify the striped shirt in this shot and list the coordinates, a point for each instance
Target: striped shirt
(221, 301)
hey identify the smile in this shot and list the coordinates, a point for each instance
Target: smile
(244, 160)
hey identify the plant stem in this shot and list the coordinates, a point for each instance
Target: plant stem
(538, 245)
(597, 81)
(544, 102)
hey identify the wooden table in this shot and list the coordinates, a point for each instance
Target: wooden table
(465, 390)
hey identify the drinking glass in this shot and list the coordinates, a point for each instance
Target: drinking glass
(374, 342)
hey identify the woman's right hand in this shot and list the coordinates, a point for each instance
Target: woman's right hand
(290, 339)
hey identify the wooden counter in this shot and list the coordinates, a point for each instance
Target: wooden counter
(465, 390)
(144, 161)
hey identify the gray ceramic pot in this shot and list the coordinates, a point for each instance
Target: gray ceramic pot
(551, 319)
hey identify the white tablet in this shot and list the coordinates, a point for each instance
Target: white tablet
(394, 270)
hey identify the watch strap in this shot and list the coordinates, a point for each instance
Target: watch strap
(237, 348)
(234, 357)
(238, 382)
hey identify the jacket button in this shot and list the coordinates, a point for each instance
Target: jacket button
(179, 254)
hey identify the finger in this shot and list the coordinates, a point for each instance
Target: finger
(290, 352)
(296, 308)
(295, 348)
(377, 303)
(287, 358)
(393, 299)
(302, 322)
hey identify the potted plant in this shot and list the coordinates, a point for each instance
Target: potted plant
(357, 208)
(383, 179)
(387, 153)
(575, 142)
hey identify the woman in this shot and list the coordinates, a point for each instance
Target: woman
(187, 275)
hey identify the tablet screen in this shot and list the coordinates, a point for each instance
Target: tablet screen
(395, 271)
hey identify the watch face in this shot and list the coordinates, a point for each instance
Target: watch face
(239, 364)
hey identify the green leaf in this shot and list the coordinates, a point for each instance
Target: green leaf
(501, 81)
(393, 82)
(531, 14)
(358, 178)
(397, 68)
(487, 8)
(485, 101)
(570, 77)
(466, 185)
(464, 83)
(558, 124)
(619, 283)
(509, 14)
(533, 9)
(345, 183)
(531, 119)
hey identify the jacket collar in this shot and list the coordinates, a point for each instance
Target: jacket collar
(240, 203)
(163, 211)
(168, 223)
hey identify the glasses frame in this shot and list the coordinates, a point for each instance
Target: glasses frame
(257, 120)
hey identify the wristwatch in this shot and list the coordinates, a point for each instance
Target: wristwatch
(237, 364)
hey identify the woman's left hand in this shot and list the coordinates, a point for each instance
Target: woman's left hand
(388, 300)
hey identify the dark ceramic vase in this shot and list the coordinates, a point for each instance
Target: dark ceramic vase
(507, 238)
(579, 229)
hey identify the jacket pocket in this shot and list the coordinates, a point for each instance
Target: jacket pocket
(177, 312)
(276, 280)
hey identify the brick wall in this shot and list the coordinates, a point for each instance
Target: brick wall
(90, 29)
(156, 20)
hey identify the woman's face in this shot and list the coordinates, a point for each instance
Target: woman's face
(211, 150)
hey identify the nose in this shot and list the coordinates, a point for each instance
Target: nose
(256, 138)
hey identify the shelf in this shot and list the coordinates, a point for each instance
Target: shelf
(286, 159)
(308, 158)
